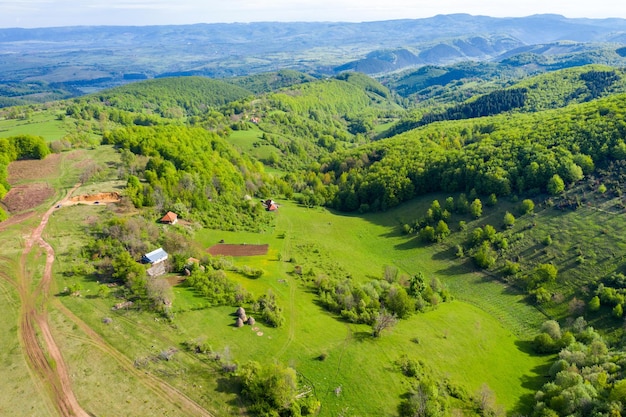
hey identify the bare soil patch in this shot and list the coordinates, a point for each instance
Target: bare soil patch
(27, 196)
(175, 280)
(231, 249)
(33, 169)
(98, 198)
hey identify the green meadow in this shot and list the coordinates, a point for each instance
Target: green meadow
(479, 338)
(458, 340)
(466, 340)
(40, 123)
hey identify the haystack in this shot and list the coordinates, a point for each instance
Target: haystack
(239, 322)
(241, 312)
(251, 320)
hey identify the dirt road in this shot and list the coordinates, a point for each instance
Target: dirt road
(43, 355)
(41, 350)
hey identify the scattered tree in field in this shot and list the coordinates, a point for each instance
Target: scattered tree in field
(476, 208)
(509, 220)
(426, 399)
(527, 206)
(269, 388)
(159, 291)
(384, 320)
(428, 234)
(486, 401)
(485, 257)
(594, 303)
(442, 230)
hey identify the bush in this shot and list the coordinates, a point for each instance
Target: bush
(485, 257)
(527, 206)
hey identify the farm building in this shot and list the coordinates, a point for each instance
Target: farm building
(270, 205)
(169, 218)
(155, 257)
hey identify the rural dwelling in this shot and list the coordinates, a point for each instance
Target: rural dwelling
(270, 205)
(155, 257)
(169, 218)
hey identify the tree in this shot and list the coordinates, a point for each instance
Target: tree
(427, 234)
(270, 387)
(527, 206)
(552, 328)
(442, 230)
(485, 257)
(476, 208)
(594, 303)
(132, 273)
(556, 185)
(509, 220)
(160, 292)
(399, 302)
(384, 320)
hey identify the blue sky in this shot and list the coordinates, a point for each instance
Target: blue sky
(45, 13)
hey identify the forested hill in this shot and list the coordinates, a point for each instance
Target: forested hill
(173, 97)
(271, 81)
(513, 153)
(542, 92)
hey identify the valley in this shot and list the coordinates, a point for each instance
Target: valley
(442, 241)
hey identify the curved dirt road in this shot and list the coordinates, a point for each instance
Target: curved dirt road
(43, 355)
(42, 352)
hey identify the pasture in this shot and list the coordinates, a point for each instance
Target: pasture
(40, 123)
(480, 338)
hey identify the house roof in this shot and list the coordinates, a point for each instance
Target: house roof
(169, 217)
(157, 255)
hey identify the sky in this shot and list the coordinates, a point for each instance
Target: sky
(47, 13)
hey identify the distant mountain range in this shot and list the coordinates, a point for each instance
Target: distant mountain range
(90, 58)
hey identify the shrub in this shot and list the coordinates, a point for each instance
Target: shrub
(527, 206)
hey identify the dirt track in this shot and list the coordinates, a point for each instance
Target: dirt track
(34, 317)
(42, 352)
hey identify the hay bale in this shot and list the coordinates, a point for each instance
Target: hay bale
(241, 312)
(251, 321)
(239, 322)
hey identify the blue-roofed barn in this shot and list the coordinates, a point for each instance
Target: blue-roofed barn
(155, 257)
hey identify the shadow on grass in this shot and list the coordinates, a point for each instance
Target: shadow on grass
(445, 255)
(412, 243)
(363, 336)
(459, 268)
(537, 377)
(230, 385)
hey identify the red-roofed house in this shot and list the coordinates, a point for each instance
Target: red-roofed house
(169, 218)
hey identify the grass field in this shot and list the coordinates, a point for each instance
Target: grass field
(250, 143)
(458, 338)
(43, 124)
(472, 341)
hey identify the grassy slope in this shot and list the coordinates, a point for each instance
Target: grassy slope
(317, 238)
(40, 123)
(448, 336)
